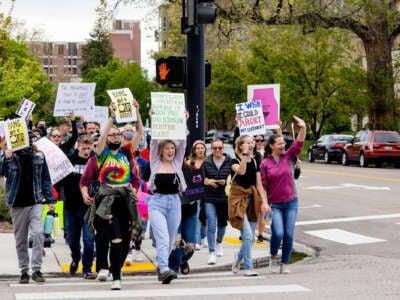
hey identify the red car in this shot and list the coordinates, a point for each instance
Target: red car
(373, 146)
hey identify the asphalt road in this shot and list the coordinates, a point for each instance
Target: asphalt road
(349, 215)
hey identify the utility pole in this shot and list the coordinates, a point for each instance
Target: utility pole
(194, 18)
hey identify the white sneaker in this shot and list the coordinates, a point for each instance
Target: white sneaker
(204, 243)
(212, 260)
(138, 256)
(285, 269)
(235, 263)
(129, 259)
(197, 247)
(116, 285)
(219, 250)
(250, 273)
(102, 275)
(274, 266)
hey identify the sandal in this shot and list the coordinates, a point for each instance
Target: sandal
(185, 268)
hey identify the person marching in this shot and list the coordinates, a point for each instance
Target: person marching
(116, 217)
(28, 187)
(277, 179)
(166, 183)
(247, 198)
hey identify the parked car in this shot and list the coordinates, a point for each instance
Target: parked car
(328, 147)
(225, 136)
(228, 149)
(373, 146)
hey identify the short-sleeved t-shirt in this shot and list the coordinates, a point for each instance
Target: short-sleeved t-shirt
(250, 177)
(115, 169)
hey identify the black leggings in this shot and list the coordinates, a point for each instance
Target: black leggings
(106, 232)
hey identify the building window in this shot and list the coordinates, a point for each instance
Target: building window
(60, 49)
(48, 48)
(164, 23)
(72, 49)
(45, 61)
(118, 24)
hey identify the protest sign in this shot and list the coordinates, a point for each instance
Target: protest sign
(25, 108)
(57, 162)
(168, 120)
(100, 115)
(2, 129)
(16, 133)
(123, 99)
(251, 118)
(75, 96)
(269, 94)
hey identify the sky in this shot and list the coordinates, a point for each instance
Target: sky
(73, 20)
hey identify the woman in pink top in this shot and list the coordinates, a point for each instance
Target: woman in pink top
(277, 178)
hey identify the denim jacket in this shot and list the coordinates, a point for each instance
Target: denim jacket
(10, 168)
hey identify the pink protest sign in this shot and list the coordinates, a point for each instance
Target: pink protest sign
(269, 95)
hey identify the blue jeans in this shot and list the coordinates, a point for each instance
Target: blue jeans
(188, 231)
(282, 228)
(165, 217)
(211, 216)
(200, 228)
(247, 233)
(76, 225)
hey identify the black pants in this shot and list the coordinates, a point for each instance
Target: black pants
(107, 231)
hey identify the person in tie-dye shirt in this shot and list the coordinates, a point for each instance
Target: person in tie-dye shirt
(116, 211)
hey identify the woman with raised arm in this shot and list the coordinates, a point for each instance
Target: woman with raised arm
(277, 179)
(116, 217)
(166, 183)
(246, 200)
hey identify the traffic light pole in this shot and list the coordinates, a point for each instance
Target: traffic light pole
(195, 85)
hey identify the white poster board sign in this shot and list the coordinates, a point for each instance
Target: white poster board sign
(57, 162)
(25, 108)
(100, 115)
(2, 129)
(16, 134)
(269, 94)
(168, 120)
(123, 99)
(250, 118)
(75, 96)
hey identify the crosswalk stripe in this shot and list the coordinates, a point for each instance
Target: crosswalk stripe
(349, 219)
(344, 237)
(135, 281)
(188, 292)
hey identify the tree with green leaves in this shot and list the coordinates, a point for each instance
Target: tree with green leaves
(375, 22)
(313, 71)
(98, 50)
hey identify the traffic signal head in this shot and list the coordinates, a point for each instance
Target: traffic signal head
(199, 13)
(171, 70)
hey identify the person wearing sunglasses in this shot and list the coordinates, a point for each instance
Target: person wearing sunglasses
(247, 199)
(57, 135)
(216, 169)
(277, 179)
(116, 217)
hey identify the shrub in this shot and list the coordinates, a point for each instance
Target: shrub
(4, 210)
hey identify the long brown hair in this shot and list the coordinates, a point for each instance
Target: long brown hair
(161, 146)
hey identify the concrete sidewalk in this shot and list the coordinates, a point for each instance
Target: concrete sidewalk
(57, 259)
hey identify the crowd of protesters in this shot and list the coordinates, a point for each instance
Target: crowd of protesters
(189, 207)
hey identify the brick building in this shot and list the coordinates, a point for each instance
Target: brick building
(61, 60)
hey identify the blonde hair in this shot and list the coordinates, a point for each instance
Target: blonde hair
(162, 144)
(239, 142)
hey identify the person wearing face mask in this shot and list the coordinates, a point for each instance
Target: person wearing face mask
(115, 216)
(28, 187)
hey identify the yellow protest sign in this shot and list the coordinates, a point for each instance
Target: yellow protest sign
(16, 133)
(123, 99)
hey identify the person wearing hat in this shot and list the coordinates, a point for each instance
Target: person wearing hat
(28, 188)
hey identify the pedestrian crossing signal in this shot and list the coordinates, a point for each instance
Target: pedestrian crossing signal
(171, 71)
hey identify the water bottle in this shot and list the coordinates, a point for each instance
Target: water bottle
(56, 225)
(48, 223)
(267, 219)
